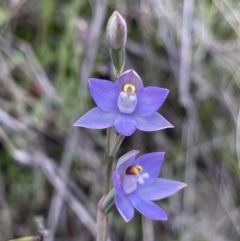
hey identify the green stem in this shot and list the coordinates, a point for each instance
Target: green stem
(116, 145)
(108, 145)
(108, 161)
(118, 60)
(102, 227)
(109, 158)
(110, 153)
(108, 174)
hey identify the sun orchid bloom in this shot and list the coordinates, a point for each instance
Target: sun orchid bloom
(137, 184)
(126, 105)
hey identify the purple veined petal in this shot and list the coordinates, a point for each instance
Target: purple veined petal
(125, 124)
(146, 207)
(97, 119)
(117, 184)
(151, 164)
(149, 100)
(124, 207)
(105, 94)
(160, 188)
(152, 122)
(125, 161)
(129, 77)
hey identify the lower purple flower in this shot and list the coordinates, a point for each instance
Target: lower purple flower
(137, 184)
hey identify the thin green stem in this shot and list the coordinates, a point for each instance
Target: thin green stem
(108, 144)
(116, 145)
(108, 174)
(110, 153)
(101, 226)
(109, 158)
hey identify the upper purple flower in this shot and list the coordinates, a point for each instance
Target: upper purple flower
(126, 104)
(136, 184)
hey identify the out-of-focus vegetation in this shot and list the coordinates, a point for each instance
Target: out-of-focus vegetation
(48, 50)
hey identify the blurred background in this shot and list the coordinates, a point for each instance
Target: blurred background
(49, 49)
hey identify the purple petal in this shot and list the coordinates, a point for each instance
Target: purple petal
(160, 189)
(125, 124)
(152, 122)
(125, 161)
(151, 164)
(146, 207)
(105, 94)
(129, 77)
(149, 100)
(124, 207)
(97, 119)
(117, 184)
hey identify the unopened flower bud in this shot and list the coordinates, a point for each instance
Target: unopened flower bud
(116, 31)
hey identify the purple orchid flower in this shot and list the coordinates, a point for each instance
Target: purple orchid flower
(136, 184)
(126, 104)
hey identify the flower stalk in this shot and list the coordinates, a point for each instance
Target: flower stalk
(106, 203)
(116, 36)
(101, 226)
(109, 161)
(118, 60)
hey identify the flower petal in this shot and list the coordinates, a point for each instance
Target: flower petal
(105, 94)
(129, 183)
(97, 119)
(146, 207)
(129, 77)
(125, 161)
(152, 122)
(160, 188)
(149, 100)
(151, 164)
(117, 184)
(124, 207)
(125, 124)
